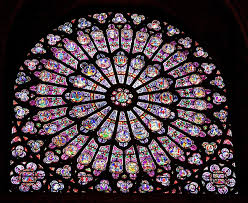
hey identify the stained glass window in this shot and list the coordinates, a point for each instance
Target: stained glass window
(120, 103)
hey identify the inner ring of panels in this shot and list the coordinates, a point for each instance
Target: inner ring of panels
(118, 102)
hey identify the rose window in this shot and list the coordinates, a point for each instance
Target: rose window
(120, 102)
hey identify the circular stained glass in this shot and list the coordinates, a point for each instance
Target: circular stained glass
(119, 102)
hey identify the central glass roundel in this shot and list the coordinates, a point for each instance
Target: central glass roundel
(122, 97)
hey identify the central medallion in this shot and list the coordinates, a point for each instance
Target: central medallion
(121, 97)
